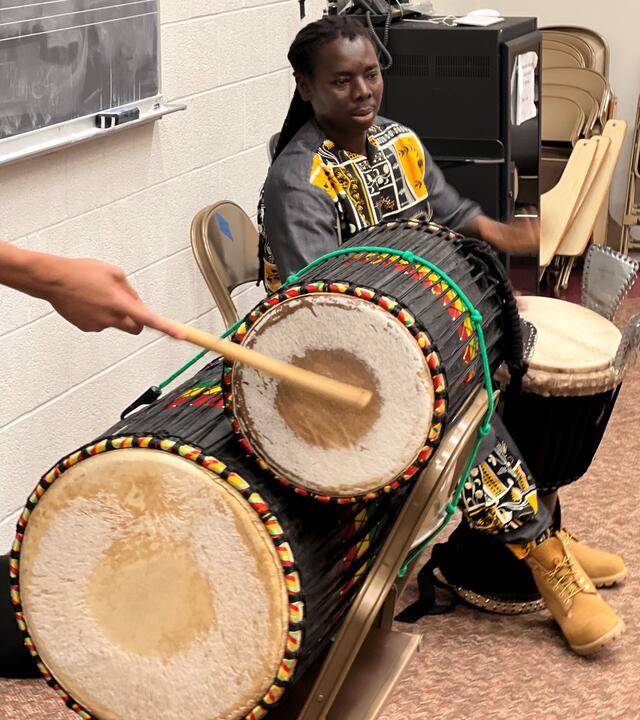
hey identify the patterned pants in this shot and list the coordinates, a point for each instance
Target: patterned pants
(500, 495)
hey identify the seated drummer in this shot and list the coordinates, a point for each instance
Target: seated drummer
(339, 168)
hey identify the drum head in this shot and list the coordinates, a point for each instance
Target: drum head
(325, 447)
(570, 338)
(151, 589)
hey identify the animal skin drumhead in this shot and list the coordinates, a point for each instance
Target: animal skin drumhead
(324, 446)
(570, 337)
(151, 589)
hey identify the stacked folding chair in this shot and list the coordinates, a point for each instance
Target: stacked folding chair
(632, 205)
(577, 100)
(570, 211)
(577, 103)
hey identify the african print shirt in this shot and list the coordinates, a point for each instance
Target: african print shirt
(317, 195)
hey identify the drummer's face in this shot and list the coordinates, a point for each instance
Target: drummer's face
(346, 87)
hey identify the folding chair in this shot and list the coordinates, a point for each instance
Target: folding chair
(554, 44)
(583, 98)
(607, 277)
(580, 45)
(589, 80)
(576, 239)
(559, 58)
(562, 119)
(599, 48)
(225, 245)
(557, 206)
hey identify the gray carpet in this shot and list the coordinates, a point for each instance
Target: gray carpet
(479, 666)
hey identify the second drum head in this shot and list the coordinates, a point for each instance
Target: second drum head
(321, 446)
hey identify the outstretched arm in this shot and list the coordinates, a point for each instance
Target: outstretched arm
(521, 237)
(90, 294)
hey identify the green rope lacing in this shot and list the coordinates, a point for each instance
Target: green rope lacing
(195, 358)
(476, 320)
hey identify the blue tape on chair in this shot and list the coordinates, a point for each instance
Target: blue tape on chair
(224, 225)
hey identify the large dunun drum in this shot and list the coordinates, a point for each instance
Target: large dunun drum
(568, 393)
(383, 322)
(157, 573)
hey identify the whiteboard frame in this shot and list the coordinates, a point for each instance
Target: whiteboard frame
(71, 132)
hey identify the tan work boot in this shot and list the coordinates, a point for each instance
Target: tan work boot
(603, 568)
(585, 619)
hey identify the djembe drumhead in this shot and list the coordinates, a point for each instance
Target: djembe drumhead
(142, 570)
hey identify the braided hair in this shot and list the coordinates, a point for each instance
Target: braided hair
(301, 55)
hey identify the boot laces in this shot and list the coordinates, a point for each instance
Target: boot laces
(570, 535)
(566, 579)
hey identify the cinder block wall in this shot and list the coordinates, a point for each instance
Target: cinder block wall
(129, 199)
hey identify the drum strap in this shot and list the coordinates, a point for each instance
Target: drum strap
(155, 391)
(434, 596)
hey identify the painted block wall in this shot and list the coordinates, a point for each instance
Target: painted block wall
(129, 199)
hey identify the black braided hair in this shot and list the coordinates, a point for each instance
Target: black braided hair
(302, 54)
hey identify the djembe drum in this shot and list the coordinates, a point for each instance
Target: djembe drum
(157, 573)
(577, 362)
(569, 390)
(384, 321)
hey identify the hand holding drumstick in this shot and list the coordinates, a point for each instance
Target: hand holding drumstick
(93, 295)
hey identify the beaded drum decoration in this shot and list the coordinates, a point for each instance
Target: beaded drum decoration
(395, 326)
(157, 573)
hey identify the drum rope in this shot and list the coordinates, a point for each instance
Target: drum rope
(155, 391)
(476, 320)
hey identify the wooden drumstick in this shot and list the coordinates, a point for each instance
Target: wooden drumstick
(305, 379)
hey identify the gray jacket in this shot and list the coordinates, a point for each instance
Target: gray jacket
(316, 195)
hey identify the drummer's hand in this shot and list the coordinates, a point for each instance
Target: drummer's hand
(520, 237)
(522, 302)
(93, 295)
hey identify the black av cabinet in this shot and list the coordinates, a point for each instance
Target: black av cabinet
(456, 88)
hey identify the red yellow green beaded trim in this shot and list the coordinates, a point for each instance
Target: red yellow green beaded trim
(406, 318)
(296, 607)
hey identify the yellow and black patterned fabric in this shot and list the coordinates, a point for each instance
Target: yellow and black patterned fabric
(317, 195)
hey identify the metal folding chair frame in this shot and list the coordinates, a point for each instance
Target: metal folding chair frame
(367, 657)
(208, 255)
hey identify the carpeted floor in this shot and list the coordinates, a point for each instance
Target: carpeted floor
(479, 666)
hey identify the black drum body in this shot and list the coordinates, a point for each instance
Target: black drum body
(558, 436)
(161, 550)
(345, 300)
(569, 390)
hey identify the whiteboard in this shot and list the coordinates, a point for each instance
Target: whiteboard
(62, 60)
